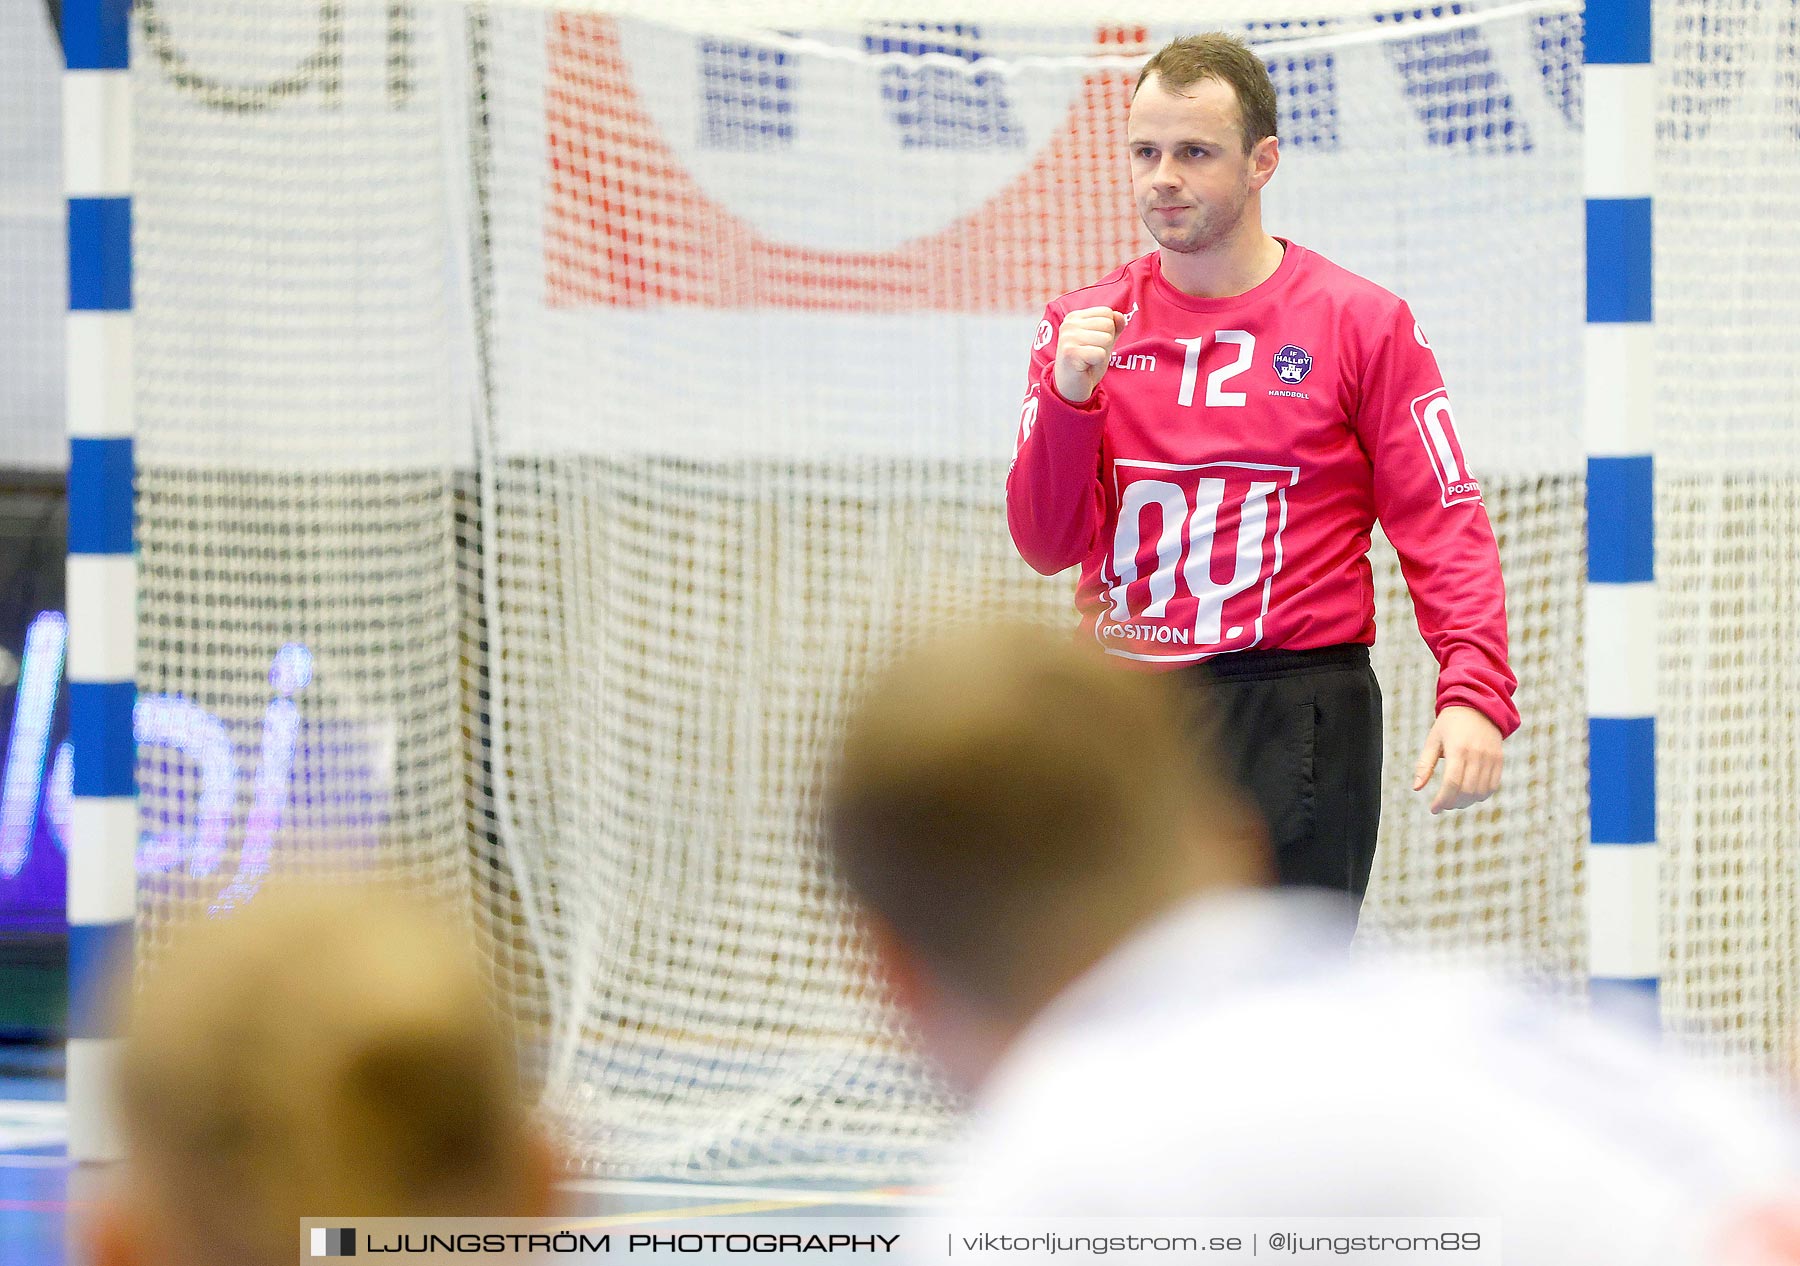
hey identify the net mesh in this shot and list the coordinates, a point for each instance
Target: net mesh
(299, 429)
(1728, 509)
(599, 399)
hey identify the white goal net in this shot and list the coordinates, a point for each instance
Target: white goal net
(1728, 523)
(597, 396)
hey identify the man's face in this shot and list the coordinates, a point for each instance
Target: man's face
(1190, 175)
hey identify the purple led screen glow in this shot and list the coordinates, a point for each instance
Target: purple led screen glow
(196, 734)
(191, 830)
(28, 744)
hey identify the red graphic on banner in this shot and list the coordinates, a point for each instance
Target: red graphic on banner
(627, 225)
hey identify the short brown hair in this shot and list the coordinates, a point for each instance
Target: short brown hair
(322, 1048)
(1182, 63)
(1012, 804)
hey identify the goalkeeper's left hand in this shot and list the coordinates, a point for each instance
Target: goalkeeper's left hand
(1469, 745)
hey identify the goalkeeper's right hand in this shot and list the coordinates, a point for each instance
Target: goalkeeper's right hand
(1083, 349)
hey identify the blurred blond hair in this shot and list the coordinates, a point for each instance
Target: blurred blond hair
(323, 1052)
(1011, 805)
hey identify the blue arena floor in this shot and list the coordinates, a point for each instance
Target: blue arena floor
(37, 1201)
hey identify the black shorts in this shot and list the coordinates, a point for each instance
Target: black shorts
(1300, 733)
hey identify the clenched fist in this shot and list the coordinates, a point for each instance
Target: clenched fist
(1082, 350)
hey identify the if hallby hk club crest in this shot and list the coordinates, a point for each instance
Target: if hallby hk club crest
(1293, 364)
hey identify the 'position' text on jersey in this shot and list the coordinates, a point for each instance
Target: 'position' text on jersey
(1219, 488)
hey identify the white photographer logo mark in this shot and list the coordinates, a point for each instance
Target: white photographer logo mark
(333, 1241)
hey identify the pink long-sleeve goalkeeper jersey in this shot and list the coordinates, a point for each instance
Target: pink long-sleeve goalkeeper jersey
(1219, 487)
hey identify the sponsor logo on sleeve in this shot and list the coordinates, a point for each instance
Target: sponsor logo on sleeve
(1044, 334)
(1027, 419)
(1431, 413)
